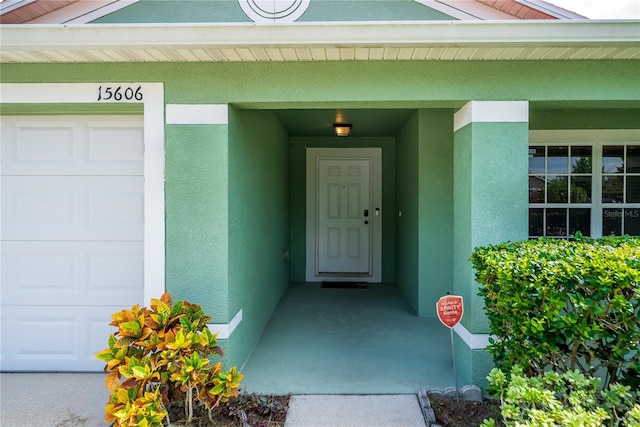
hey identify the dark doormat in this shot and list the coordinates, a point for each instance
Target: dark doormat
(345, 285)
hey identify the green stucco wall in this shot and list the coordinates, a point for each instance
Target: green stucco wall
(435, 204)
(258, 223)
(424, 192)
(388, 84)
(298, 198)
(407, 215)
(71, 109)
(590, 118)
(490, 206)
(490, 201)
(154, 11)
(196, 211)
(473, 366)
(212, 203)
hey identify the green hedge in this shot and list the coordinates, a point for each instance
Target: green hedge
(564, 305)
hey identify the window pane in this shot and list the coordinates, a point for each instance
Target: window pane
(633, 159)
(632, 222)
(558, 160)
(612, 159)
(581, 159)
(536, 189)
(536, 160)
(536, 226)
(633, 189)
(612, 189)
(611, 222)
(580, 220)
(557, 189)
(580, 189)
(556, 222)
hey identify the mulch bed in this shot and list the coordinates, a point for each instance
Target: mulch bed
(450, 413)
(247, 409)
(271, 411)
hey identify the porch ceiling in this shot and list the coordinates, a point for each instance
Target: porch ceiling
(366, 122)
(459, 40)
(305, 120)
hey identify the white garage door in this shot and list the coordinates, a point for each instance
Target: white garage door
(72, 236)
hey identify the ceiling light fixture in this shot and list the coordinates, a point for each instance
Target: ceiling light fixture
(342, 129)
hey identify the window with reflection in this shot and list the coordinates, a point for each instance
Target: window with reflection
(560, 190)
(621, 190)
(591, 189)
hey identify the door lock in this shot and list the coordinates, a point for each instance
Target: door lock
(366, 213)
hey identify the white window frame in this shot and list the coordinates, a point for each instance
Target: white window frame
(595, 139)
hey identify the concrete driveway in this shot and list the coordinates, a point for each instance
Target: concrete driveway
(52, 399)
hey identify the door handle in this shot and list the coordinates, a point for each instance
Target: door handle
(366, 213)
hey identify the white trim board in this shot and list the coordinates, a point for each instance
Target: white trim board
(551, 9)
(197, 114)
(491, 112)
(9, 5)
(153, 103)
(467, 10)
(82, 12)
(224, 330)
(473, 341)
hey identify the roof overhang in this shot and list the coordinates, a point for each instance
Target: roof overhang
(455, 40)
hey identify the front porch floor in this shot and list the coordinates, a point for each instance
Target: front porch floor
(348, 341)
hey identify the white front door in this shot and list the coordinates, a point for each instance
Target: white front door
(72, 236)
(344, 214)
(344, 209)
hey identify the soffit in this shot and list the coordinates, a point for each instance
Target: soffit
(458, 40)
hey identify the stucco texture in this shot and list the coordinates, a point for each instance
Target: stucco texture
(196, 199)
(258, 223)
(490, 200)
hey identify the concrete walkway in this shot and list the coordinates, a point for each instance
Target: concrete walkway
(78, 399)
(397, 410)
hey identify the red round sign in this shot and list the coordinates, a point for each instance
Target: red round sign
(450, 310)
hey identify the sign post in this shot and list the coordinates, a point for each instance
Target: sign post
(450, 310)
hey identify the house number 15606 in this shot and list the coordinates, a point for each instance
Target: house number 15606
(119, 93)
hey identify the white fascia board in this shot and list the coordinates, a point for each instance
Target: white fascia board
(551, 9)
(9, 5)
(82, 11)
(467, 10)
(388, 34)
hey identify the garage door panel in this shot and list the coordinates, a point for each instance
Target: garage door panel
(115, 146)
(45, 144)
(72, 249)
(64, 145)
(67, 208)
(87, 273)
(51, 339)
